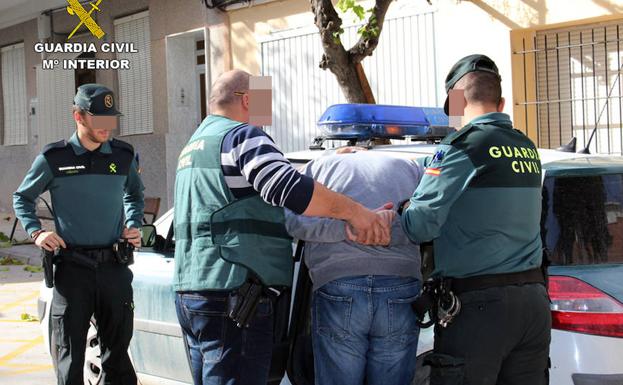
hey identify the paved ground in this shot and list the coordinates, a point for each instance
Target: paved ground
(23, 250)
(6, 225)
(23, 358)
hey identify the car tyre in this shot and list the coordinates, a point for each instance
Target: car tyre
(53, 346)
(92, 371)
(422, 372)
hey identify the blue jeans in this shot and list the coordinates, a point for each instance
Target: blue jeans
(364, 329)
(220, 352)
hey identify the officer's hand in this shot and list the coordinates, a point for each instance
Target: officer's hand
(388, 216)
(371, 227)
(133, 236)
(50, 241)
(385, 231)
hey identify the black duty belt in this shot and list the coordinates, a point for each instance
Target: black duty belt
(89, 256)
(480, 282)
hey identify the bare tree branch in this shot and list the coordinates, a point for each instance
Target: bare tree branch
(368, 41)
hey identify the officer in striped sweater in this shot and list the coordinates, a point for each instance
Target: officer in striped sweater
(231, 186)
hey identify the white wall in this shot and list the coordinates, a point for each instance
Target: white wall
(464, 29)
(182, 111)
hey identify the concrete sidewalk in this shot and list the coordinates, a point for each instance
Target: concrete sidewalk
(27, 253)
(24, 359)
(6, 225)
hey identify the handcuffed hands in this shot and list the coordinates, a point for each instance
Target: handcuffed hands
(372, 227)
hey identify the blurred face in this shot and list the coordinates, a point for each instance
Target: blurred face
(260, 100)
(256, 103)
(456, 107)
(97, 129)
(456, 102)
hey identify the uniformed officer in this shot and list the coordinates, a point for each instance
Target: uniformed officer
(97, 198)
(480, 203)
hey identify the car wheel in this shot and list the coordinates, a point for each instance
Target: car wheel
(92, 357)
(53, 346)
(422, 372)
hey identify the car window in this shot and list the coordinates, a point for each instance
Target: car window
(582, 220)
(164, 223)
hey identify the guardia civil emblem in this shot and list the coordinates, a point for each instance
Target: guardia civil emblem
(108, 102)
(75, 8)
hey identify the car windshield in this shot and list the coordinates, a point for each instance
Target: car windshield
(582, 220)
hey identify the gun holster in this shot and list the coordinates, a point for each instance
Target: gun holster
(243, 303)
(124, 252)
(438, 302)
(425, 304)
(48, 258)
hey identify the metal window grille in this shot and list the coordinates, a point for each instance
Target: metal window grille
(15, 105)
(576, 73)
(135, 102)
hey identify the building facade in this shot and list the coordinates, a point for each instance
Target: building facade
(560, 62)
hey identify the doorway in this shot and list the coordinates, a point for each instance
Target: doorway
(187, 80)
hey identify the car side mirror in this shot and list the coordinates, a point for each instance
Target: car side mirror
(148, 238)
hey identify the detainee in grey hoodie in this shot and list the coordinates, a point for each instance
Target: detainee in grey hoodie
(362, 322)
(371, 179)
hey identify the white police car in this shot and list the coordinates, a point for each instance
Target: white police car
(582, 226)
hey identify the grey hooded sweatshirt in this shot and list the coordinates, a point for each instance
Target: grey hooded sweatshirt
(372, 180)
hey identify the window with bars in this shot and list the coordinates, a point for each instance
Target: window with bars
(14, 100)
(572, 86)
(135, 89)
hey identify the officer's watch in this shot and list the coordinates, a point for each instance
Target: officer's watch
(35, 234)
(401, 206)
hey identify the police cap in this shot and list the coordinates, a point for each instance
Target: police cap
(96, 99)
(466, 65)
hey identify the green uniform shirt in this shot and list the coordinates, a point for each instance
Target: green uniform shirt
(92, 191)
(480, 201)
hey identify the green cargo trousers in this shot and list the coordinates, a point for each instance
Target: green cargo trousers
(500, 337)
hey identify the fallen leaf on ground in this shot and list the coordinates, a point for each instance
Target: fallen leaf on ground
(33, 269)
(10, 261)
(29, 317)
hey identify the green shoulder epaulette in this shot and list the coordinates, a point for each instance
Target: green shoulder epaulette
(122, 145)
(55, 145)
(457, 134)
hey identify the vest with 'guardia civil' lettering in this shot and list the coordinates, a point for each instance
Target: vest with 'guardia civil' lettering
(219, 238)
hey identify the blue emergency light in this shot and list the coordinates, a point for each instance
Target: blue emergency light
(360, 122)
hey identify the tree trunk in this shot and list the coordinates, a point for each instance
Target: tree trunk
(354, 83)
(349, 82)
(365, 86)
(346, 65)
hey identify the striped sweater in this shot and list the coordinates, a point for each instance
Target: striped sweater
(252, 164)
